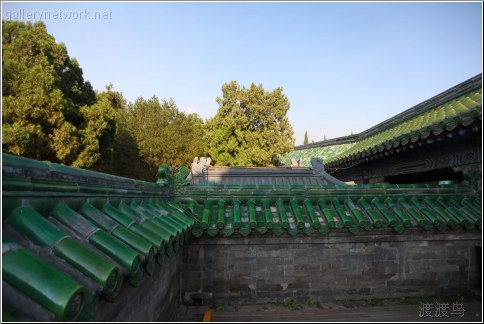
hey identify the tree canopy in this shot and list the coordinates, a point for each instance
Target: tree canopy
(164, 134)
(250, 127)
(306, 140)
(49, 111)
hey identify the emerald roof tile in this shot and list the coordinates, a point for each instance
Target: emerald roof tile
(417, 128)
(435, 119)
(323, 209)
(50, 287)
(326, 153)
(95, 239)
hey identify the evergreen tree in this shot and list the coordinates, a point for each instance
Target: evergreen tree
(163, 134)
(48, 111)
(250, 127)
(306, 141)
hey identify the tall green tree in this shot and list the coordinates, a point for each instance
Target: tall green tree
(103, 120)
(48, 111)
(121, 148)
(250, 127)
(163, 134)
(306, 140)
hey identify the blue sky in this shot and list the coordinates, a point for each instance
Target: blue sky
(344, 66)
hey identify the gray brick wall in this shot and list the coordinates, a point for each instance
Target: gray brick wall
(379, 264)
(157, 298)
(261, 269)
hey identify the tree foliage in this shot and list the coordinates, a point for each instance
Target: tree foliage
(162, 133)
(48, 111)
(250, 127)
(51, 113)
(306, 140)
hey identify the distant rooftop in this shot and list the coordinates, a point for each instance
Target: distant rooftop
(459, 106)
(203, 173)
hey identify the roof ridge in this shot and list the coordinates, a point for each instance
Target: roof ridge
(436, 101)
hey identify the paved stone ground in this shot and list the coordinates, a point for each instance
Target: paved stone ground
(471, 311)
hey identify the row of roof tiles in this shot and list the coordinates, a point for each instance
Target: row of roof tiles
(305, 191)
(90, 250)
(326, 153)
(72, 236)
(452, 119)
(22, 174)
(444, 121)
(278, 215)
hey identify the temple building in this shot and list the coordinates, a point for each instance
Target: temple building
(438, 139)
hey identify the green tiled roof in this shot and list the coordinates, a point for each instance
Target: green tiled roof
(227, 210)
(463, 111)
(446, 115)
(95, 232)
(326, 153)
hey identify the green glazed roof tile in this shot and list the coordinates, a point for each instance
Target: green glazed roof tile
(294, 216)
(103, 227)
(53, 289)
(463, 110)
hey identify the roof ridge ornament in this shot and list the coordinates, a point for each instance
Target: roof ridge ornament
(317, 165)
(296, 162)
(164, 175)
(199, 164)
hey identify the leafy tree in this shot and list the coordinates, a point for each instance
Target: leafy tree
(250, 127)
(49, 112)
(116, 99)
(306, 141)
(127, 160)
(163, 134)
(109, 147)
(97, 135)
(121, 149)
